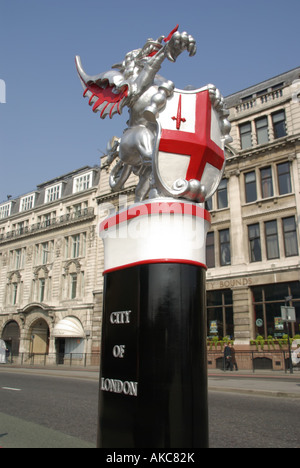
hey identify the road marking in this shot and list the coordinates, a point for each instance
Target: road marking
(10, 388)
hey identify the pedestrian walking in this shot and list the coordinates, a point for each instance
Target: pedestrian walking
(233, 358)
(227, 357)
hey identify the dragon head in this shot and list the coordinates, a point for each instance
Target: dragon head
(137, 58)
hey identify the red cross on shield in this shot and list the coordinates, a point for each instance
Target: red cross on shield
(190, 145)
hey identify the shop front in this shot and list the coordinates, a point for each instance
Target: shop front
(242, 309)
(267, 301)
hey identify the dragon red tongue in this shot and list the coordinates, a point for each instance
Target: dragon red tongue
(166, 39)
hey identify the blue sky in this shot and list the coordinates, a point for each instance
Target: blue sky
(47, 129)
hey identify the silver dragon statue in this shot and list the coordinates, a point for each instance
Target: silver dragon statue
(135, 83)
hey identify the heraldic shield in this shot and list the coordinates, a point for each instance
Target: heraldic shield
(189, 158)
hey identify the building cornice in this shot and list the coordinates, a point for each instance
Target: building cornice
(280, 143)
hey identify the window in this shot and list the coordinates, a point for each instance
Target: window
(210, 250)
(225, 257)
(279, 125)
(42, 283)
(14, 293)
(80, 209)
(222, 194)
(262, 130)
(209, 204)
(284, 178)
(250, 187)
(272, 240)
(247, 98)
(17, 259)
(5, 210)
(83, 244)
(220, 313)
(46, 220)
(245, 135)
(44, 253)
(254, 243)
(74, 346)
(266, 182)
(27, 203)
(66, 247)
(83, 182)
(21, 228)
(75, 246)
(53, 193)
(290, 236)
(14, 288)
(73, 278)
(267, 301)
(262, 92)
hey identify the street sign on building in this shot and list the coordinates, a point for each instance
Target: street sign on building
(288, 314)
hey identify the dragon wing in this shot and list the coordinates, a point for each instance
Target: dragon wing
(107, 92)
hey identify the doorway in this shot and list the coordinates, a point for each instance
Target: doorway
(11, 336)
(39, 337)
(60, 350)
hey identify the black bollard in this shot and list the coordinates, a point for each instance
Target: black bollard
(153, 380)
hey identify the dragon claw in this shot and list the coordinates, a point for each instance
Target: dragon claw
(178, 43)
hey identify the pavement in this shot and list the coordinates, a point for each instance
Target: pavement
(261, 383)
(23, 434)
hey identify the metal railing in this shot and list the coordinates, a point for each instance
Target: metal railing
(269, 360)
(56, 359)
(48, 224)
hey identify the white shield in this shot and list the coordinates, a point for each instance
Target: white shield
(189, 158)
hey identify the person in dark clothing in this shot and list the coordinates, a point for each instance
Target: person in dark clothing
(227, 358)
(233, 359)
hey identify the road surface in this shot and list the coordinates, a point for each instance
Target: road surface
(46, 411)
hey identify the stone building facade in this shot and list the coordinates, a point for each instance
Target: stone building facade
(49, 268)
(51, 256)
(253, 246)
